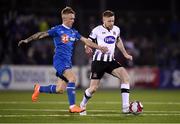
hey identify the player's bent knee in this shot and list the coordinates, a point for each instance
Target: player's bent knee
(72, 79)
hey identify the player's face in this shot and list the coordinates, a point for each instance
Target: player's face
(68, 19)
(108, 22)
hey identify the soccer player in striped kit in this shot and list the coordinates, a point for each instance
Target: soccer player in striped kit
(64, 37)
(107, 35)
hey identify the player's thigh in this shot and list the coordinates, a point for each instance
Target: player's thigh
(97, 70)
(61, 86)
(122, 74)
(70, 75)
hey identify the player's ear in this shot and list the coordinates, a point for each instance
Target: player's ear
(64, 16)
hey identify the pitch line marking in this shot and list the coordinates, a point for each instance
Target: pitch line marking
(53, 102)
(98, 110)
(91, 115)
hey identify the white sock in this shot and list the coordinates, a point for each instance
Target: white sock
(86, 98)
(125, 95)
(71, 106)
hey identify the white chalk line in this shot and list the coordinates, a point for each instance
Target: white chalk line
(89, 115)
(98, 110)
(115, 114)
(103, 102)
(104, 114)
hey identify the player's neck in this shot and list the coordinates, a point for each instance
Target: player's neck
(65, 26)
(106, 27)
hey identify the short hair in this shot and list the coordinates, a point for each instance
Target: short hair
(108, 13)
(67, 10)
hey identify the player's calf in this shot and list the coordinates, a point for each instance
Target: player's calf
(60, 90)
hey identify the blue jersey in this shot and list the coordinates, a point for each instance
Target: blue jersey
(64, 39)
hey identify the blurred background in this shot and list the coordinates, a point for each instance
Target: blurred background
(150, 31)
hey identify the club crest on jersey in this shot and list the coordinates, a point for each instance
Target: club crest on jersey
(109, 39)
(65, 38)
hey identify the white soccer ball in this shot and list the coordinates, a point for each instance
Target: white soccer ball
(136, 107)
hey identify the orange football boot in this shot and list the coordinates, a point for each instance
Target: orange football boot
(76, 109)
(36, 93)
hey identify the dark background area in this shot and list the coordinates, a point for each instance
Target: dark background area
(150, 30)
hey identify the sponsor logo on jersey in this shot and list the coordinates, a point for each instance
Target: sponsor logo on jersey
(65, 38)
(109, 39)
(72, 38)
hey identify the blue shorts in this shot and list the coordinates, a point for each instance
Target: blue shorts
(61, 65)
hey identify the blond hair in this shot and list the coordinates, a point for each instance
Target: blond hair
(67, 10)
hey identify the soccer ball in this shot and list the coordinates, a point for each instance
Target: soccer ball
(136, 107)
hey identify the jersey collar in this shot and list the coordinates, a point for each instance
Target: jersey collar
(66, 26)
(106, 28)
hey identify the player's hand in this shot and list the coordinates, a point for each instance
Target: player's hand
(129, 57)
(88, 50)
(22, 41)
(103, 49)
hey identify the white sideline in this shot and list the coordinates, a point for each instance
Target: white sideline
(98, 110)
(90, 115)
(102, 113)
(99, 102)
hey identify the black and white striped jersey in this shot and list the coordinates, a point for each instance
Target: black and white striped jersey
(105, 37)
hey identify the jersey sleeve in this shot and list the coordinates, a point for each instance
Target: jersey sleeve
(52, 32)
(119, 31)
(93, 34)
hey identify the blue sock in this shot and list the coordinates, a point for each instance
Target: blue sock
(48, 89)
(71, 93)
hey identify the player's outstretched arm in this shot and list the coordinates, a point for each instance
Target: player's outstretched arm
(122, 49)
(93, 45)
(88, 50)
(36, 36)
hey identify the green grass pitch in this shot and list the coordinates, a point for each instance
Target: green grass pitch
(160, 106)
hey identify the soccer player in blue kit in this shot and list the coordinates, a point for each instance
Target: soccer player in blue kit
(64, 37)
